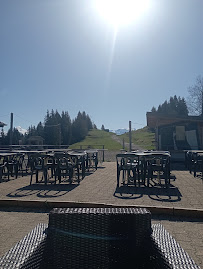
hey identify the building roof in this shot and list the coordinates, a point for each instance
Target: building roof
(2, 124)
(35, 138)
(155, 119)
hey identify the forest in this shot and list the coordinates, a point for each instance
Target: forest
(57, 129)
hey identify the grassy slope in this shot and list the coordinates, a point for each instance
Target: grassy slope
(141, 137)
(97, 138)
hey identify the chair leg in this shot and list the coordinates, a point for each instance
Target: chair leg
(70, 172)
(45, 176)
(148, 177)
(124, 175)
(16, 170)
(31, 177)
(166, 179)
(1, 173)
(118, 176)
(37, 175)
(135, 177)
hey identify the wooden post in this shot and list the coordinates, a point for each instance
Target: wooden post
(59, 126)
(130, 137)
(11, 130)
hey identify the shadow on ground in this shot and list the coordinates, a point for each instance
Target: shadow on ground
(155, 192)
(43, 191)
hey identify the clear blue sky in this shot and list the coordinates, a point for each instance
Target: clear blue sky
(57, 54)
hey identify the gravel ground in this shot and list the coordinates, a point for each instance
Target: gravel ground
(110, 155)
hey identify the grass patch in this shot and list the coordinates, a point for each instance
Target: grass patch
(144, 138)
(96, 139)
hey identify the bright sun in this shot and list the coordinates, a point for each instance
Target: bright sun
(121, 12)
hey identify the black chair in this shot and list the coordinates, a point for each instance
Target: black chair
(64, 167)
(21, 163)
(78, 159)
(37, 164)
(2, 169)
(12, 165)
(127, 163)
(198, 164)
(91, 160)
(161, 165)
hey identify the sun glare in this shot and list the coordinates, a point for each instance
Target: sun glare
(121, 12)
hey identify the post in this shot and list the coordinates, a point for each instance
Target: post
(11, 130)
(103, 152)
(130, 137)
(202, 100)
(59, 126)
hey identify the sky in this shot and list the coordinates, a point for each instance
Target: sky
(65, 55)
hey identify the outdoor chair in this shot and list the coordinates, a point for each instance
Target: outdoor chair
(38, 164)
(198, 164)
(159, 164)
(12, 165)
(78, 158)
(2, 169)
(127, 163)
(91, 159)
(98, 238)
(21, 164)
(190, 160)
(64, 166)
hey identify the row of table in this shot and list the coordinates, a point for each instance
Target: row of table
(57, 161)
(141, 165)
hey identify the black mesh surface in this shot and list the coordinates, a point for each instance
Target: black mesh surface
(28, 252)
(177, 257)
(98, 238)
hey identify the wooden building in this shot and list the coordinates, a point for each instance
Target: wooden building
(2, 124)
(176, 133)
(35, 140)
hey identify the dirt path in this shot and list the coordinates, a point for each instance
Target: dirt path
(126, 144)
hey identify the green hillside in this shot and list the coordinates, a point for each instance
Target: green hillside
(96, 138)
(144, 138)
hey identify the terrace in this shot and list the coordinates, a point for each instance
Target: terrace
(178, 208)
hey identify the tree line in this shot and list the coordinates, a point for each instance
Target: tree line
(178, 106)
(175, 106)
(57, 129)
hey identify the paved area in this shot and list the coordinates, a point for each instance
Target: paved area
(100, 187)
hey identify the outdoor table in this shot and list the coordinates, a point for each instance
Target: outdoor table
(155, 161)
(80, 162)
(7, 154)
(145, 157)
